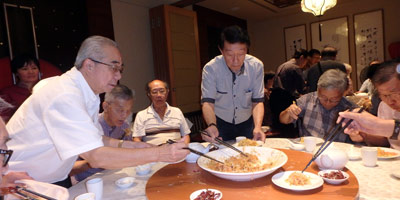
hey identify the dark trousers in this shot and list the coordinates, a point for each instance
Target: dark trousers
(229, 131)
(64, 183)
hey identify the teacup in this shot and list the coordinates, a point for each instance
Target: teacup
(332, 158)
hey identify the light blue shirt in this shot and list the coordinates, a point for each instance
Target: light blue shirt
(233, 93)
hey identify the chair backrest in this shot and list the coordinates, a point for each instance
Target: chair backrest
(46, 68)
(5, 72)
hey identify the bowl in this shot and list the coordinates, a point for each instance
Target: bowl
(198, 192)
(264, 154)
(265, 128)
(240, 138)
(143, 169)
(86, 196)
(125, 182)
(331, 180)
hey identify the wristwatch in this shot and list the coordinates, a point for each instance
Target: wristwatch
(212, 124)
(396, 130)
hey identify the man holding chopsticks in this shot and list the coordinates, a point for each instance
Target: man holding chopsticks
(232, 90)
(316, 113)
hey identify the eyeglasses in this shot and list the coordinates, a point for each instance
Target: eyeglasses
(113, 67)
(392, 95)
(161, 91)
(325, 99)
(7, 155)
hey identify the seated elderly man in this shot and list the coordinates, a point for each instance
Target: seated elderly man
(386, 80)
(117, 107)
(316, 112)
(59, 122)
(160, 121)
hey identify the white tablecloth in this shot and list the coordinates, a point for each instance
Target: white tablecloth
(376, 183)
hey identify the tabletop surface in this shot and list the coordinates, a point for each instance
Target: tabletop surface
(178, 181)
(375, 183)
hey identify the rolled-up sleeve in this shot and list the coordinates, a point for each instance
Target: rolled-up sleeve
(208, 85)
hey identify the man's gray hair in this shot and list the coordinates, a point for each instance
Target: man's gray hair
(93, 47)
(4, 105)
(334, 79)
(119, 92)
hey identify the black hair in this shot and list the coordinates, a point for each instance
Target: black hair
(21, 60)
(329, 51)
(268, 75)
(313, 51)
(300, 52)
(234, 34)
(384, 72)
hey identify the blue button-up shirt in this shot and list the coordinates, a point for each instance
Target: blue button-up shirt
(233, 93)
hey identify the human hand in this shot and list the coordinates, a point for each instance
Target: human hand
(258, 134)
(9, 179)
(293, 111)
(365, 122)
(173, 152)
(213, 132)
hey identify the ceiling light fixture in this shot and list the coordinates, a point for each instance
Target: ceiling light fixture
(317, 8)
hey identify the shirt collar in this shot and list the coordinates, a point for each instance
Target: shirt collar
(81, 81)
(151, 110)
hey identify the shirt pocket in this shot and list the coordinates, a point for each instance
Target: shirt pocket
(246, 100)
(221, 88)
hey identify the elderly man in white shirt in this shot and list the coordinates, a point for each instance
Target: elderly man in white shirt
(160, 121)
(59, 122)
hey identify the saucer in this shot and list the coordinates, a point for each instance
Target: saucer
(125, 182)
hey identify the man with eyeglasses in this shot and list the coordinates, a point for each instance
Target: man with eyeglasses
(160, 121)
(59, 122)
(315, 113)
(117, 108)
(386, 80)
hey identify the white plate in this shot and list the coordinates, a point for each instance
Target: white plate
(196, 193)
(279, 179)
(259, 144)
(389, 150)
(125, 182)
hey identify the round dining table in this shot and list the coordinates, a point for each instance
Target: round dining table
(365, 183)
(179, 180)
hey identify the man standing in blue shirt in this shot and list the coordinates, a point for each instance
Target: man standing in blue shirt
(233, 90)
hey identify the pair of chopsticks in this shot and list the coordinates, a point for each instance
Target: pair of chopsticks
(196, 152)
(332, 136)
(18, 190)
(224, 143)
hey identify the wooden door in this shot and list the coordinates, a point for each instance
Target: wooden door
(176, 54)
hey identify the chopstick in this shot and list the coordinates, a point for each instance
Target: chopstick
(196, 152)
(224, 143)
(332, 136)
(32, 192)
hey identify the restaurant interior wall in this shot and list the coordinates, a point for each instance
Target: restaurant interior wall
(268, 40)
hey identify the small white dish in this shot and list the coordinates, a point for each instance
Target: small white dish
(143, 169)
(396, 174)
(354, 156)
(86, 196)
(333, 181)
(125, 182)
(198, 192)
(297, 147)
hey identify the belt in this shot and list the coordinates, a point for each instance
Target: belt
(163, 131)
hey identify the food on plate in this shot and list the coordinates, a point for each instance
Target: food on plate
(247, 142)
(383, 153)
(208, 195)
(334, 175)
(240, 164)
(298, 178)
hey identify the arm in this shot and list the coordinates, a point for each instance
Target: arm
(186, 139)
(290, 114)
(115, 158)
(137, 139)
(209, 117)
(258, 113)
(365, 122)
